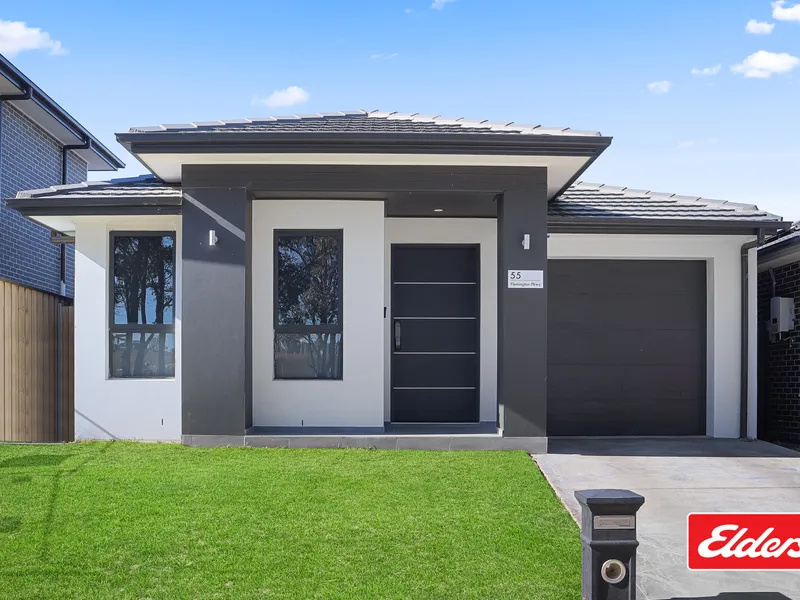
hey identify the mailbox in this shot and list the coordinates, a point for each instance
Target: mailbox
(608, 538)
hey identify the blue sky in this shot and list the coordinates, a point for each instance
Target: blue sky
(623, 67)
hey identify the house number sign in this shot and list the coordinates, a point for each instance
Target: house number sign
(526, 279)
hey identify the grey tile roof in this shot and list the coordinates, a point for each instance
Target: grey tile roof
(362, 121)
(142, 186)
(787, 236)
(581, 200)
(605, 201)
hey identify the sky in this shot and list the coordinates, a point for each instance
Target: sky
(697, 94)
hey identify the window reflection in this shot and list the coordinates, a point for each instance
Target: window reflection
(142, 338)
(144, 289)
(308, 356)
(308, 307)
(308, 280)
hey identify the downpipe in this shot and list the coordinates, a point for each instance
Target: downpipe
(745, 333)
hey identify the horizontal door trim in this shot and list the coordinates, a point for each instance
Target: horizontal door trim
(445, 353)
(435, 318)
(436, 283)
(434, 388)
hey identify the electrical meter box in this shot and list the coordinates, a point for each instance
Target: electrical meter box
(781, 315)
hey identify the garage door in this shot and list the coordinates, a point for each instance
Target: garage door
(626, 347)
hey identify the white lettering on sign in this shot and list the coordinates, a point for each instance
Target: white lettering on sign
(526, 279)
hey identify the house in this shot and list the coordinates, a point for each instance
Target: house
(779, 351)
(40, 145)
(400, 280)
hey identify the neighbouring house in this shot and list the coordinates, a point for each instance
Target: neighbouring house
(400, 280)
(40, 145)
(779, 344)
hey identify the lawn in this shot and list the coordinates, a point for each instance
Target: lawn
(160, 521)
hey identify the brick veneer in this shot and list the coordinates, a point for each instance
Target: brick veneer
(779, 395)
(30, 158)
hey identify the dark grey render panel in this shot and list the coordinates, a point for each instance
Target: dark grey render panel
(364, 178)
(215, 361)
(627, 347)
(522, 315)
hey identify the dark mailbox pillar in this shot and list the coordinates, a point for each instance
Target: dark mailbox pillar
(522, 312)
(608, 537)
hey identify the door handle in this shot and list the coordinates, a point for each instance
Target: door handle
(397, 335)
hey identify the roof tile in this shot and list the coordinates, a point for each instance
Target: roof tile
(580, 200)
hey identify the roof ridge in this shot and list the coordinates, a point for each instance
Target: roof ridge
(436, 119)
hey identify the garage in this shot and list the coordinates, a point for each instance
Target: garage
(626, 347)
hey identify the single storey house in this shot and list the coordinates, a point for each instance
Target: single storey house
(400, 280)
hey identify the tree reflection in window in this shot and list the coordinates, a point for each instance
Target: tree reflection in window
(308, 311)
(143, 310)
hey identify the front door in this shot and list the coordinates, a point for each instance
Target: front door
(435, 327)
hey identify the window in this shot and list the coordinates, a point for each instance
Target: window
(142, 319)
(308, 304)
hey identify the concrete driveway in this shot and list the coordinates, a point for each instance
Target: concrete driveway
(676, 477)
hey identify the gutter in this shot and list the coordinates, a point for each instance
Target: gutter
(361, 143)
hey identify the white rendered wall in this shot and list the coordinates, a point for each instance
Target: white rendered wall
(453, 231)
(723, 259)
(356, 400)
(142, 409)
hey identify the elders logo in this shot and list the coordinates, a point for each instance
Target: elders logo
(744, 541)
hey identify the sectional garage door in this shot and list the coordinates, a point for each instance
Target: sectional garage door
(626, 347)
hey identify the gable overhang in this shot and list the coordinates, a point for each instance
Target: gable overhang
(58, 213)
(565, 157)
(19, 91)
(779, 254)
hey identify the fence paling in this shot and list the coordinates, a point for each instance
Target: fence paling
(30, 376)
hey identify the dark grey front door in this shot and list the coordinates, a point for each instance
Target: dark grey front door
(435, 321)
(626, 347)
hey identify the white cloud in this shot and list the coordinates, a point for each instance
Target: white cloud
(659, 87)
(439, 4)
(707, 71)
(289, 97)
(763, 64)
(16, 37)
(686, 144)
(792, 13)
(409, 11)
(759, 27)
(383, 56)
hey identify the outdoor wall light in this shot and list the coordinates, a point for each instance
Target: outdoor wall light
(526, 241)
(438, 210)
(212, 237)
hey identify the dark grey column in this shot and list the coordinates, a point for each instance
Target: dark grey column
(215, 309)
(522, 315)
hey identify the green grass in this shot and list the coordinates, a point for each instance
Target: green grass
(124, 520)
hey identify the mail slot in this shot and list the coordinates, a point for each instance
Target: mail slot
(615, 522)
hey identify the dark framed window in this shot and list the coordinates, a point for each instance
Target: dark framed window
(308, 304)
(142, 304)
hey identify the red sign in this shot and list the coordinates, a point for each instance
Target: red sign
(744, 541)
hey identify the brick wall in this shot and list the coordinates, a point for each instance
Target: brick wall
(779, 395)
(31, 159)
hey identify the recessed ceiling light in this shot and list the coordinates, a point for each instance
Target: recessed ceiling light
(438, 209)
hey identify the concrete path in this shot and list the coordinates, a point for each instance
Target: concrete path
(676, 477)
